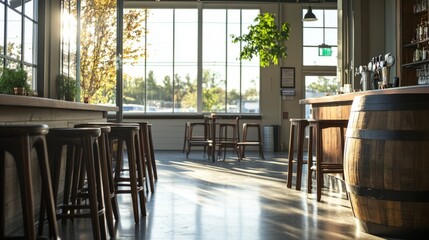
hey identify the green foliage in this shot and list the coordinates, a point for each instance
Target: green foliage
(11, 78)
(323, 85)
(66, 88)
(98, 60)
(264, 39)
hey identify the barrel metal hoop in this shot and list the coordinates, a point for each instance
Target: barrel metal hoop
(403, 135)
(389, 195)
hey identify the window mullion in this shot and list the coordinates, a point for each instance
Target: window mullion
(200, 60)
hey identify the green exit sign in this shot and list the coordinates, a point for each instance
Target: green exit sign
(325, 51)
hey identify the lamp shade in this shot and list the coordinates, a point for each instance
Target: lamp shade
(309, 16)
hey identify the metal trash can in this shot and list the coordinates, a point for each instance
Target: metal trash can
(271, 136)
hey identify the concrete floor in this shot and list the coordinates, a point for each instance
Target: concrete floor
(200, 200)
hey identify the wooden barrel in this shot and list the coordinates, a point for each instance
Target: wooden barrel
(386, 163)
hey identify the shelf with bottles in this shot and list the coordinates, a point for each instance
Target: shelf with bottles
(420, 33)
(414, 44)
(415, 64)
(417, 56)
(420, 6)
(422, 74)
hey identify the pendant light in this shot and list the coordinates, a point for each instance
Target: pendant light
(309, 16)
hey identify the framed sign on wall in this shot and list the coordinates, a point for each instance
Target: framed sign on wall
(287, 76)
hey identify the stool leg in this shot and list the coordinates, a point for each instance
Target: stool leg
(110, 172)
(72, 176)
(145, 155)
(243, 147)
(299, 157)
(54, 172)
(319, 175)
(310, 159)
(185, 138)
(290, 155)
(106, 185)
(95, 203)
(133, 177)
(48, 196)
(152, 152)
(261, 149)
(23, 166)
(140, 174)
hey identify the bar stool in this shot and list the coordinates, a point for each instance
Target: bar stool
(110, 197)
(321, 167)
(251, 142)
(19, 140)
(82, 155)
(297, 125)
(133, 183)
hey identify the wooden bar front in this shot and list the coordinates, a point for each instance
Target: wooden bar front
(338, 107)
(54, 113)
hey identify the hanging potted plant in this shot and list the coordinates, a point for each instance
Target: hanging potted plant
(14, 81)
(66, 88)
(265, 39)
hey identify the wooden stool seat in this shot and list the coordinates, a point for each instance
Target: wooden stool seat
(297, 125)
(19, 140)
(251, 142)
(321, 167)
(83, 159)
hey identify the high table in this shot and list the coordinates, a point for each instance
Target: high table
(211, 119)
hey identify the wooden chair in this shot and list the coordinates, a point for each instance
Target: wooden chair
(245, 141)
(228, 137)
(195, 130)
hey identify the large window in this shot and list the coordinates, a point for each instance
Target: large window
(174, 60)
(317, 33)
(18, 36)
(320, 71)
(176, 75)
(88, 47)
(229, 85)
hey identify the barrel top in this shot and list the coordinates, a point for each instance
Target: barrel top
(391, 102)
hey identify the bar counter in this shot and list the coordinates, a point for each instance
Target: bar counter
(338, 107)
(55, 113)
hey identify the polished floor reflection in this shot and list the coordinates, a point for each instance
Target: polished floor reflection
(197, 199)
